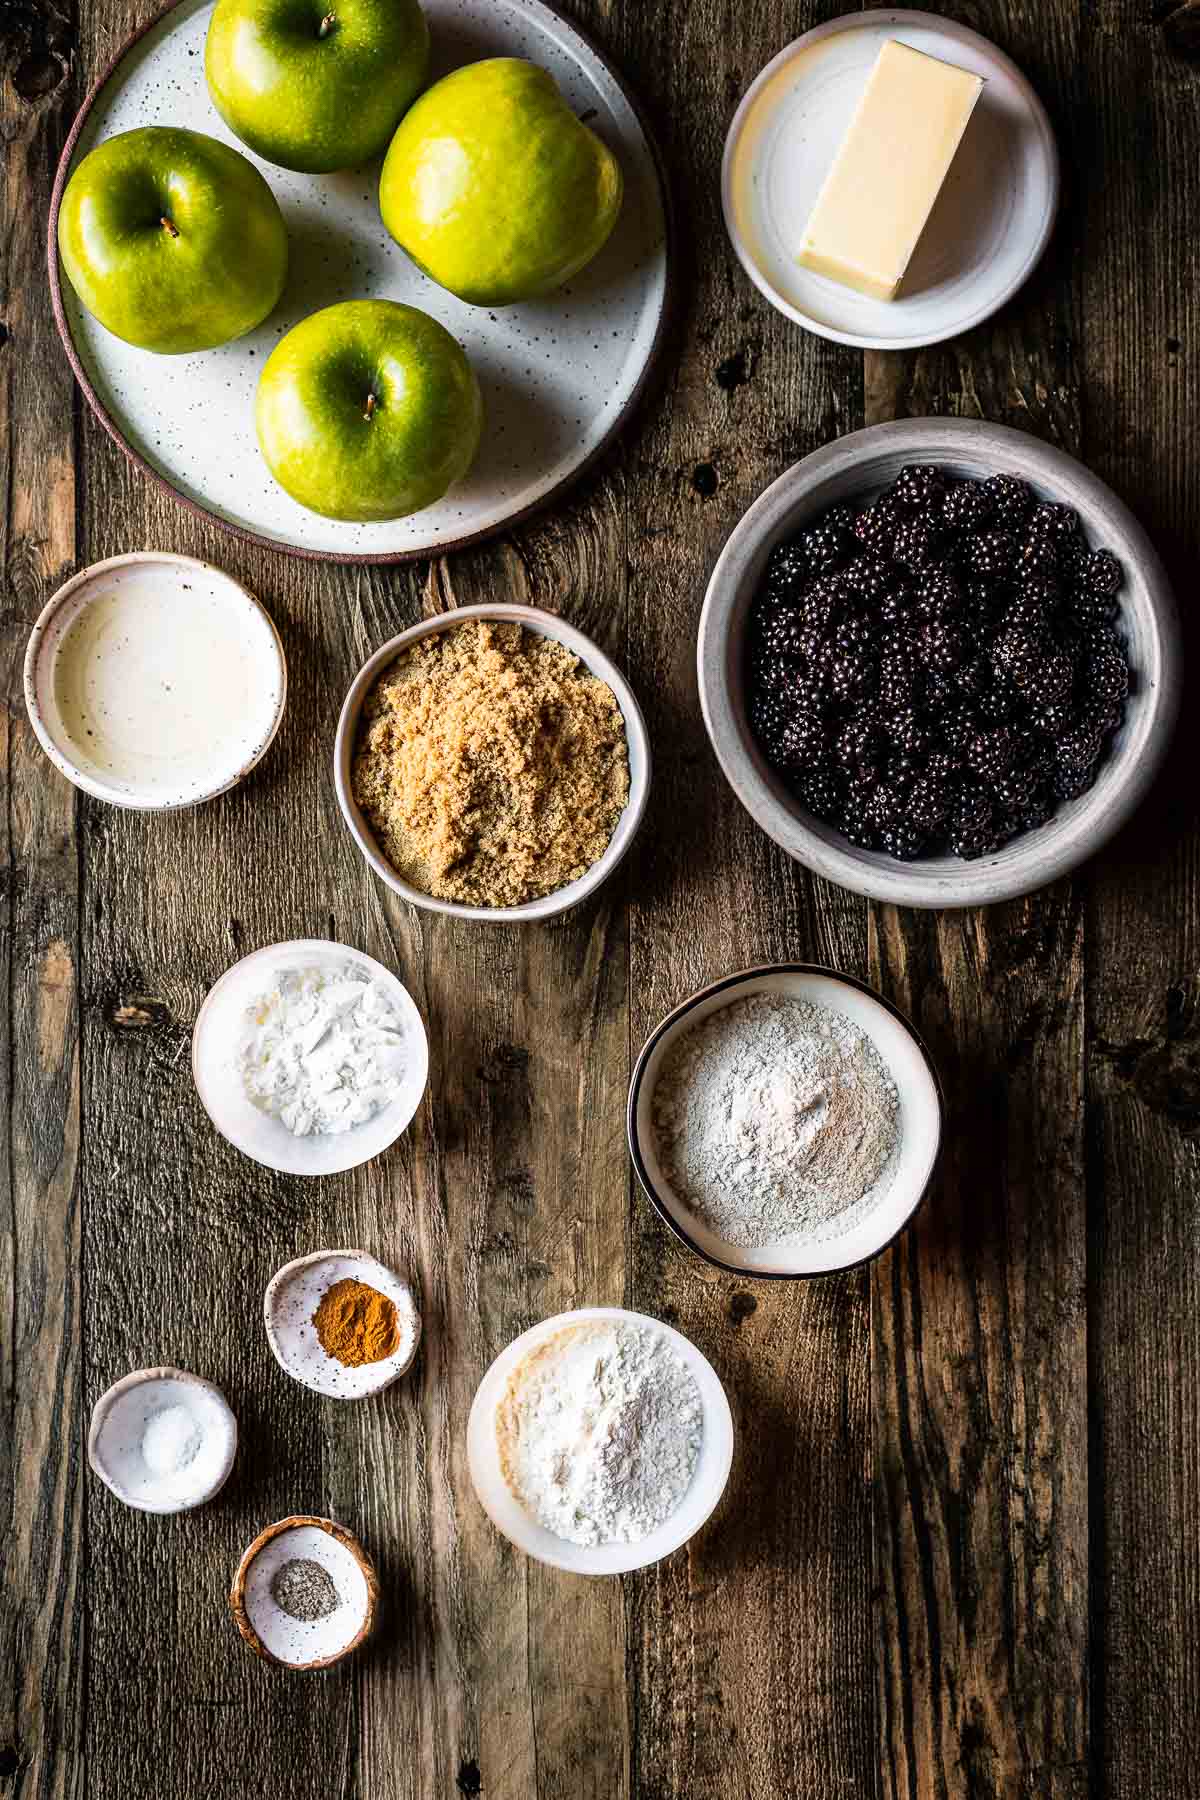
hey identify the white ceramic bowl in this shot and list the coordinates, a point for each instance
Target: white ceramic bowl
(293, 1296)
(855, 468)
(118, 1419)
(904, 1185)
(156, 783)
(220, 1030)
(511, 1518)
(637, 739)
(991, 221)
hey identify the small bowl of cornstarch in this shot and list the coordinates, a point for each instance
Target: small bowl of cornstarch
(600, 1441)
(785, 1121)
(310, 1057)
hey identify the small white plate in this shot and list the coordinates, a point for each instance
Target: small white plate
(992, 219)
(559, 376)
(510, 1517)
(904, 1183)
(221, 1030)
(293, 1296)
(119, 1420)
(186, 598)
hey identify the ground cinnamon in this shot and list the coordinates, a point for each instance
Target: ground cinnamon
(356, 1323)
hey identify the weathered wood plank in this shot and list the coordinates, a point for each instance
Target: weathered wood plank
(750, 1651)
(979, 1344)
(41, 1437)
(1141, 346)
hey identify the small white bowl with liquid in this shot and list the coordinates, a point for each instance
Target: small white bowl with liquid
(154, 681)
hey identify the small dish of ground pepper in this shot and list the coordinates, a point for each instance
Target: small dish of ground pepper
(341, 1323)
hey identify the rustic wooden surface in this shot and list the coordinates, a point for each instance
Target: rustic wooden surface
(960, 1553)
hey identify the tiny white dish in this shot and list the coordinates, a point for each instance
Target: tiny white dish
(154, 681)
(275, 1634)
(134, 1425)
(559, 376)
(520, 1528)
(637, 740)
(905, 1181)
(293, 1296)
(991, 222)
(222, 1031)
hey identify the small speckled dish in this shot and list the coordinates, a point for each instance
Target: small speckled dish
(119, 1421)
(636, 736)
(296, 1643)
(904, 1183)
(292, 1297)
(522, 1529)
(221, 1030)
(101, 686)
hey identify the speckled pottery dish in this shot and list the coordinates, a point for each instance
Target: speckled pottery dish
(304, 1644)
(508, 1515)
(903, 1185)
(559, 376)
(154, 681)
(125, 1442)
(292, 1297)
(855, 469)
(221, 1033)
(636, 735)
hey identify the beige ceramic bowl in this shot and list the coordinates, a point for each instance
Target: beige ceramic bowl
(594, 659)
(291, 1643)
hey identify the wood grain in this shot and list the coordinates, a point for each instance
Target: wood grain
(41, 1442)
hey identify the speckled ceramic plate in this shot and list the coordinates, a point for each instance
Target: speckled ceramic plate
(558, 376)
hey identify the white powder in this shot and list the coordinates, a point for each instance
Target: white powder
(325, 1051)
(599, 1430)
(170, 1441)
(775, 1118)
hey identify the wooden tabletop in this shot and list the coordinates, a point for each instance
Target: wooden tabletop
(960, 1550)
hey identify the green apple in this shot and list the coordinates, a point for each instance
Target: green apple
(316, 84)
(172, 240)
(495, 188)
(368, 410)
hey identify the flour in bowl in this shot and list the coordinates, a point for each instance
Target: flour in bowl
(599, 1431)
(325, 1050)
(776, 1118)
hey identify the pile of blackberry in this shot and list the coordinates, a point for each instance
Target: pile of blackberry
(939, 670)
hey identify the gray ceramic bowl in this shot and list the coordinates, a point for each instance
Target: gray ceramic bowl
(636, 737)
(856, 468)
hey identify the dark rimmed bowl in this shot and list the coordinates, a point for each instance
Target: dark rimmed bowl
(856, 468)
(922, 1112)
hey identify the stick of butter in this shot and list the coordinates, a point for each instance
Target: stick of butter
(889, 171)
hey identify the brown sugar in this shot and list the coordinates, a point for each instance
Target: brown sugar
(491, 764)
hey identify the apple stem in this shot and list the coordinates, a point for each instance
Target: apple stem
(370, 412)
(169, 226)
(326, 26)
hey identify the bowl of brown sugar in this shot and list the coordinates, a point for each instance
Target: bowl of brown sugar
(492, 763)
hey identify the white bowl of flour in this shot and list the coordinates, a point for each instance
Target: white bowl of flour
(310, 1057)
(605, 1426)
(785, 1121)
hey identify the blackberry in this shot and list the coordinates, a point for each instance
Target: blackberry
(784, 633)
(868, 578)
(1097, 574)
(927, 804)
(840, 518)
(903, 840)
(799, 744)
(856, 636)
(937, 593)
(855, 821)
(895, 607)
(823, 546)
(974, 829)
(937, 691)
(1052, 720)
(1016, 649)
(1092, 608)
(1050, 520)
(821, 793)
(787, 569)
(884, 806)
(1080, 747)
(824, 598)
(876, 527)
(769, 712)
(1016, 790)
(999, 703)
(940, 646)
(989, 553)
(966, 507)
(956, 728)
(907, 730)
(916, 543)
(1035, 812)
(1036, 591)
(896, 678)
(993, 754)
(851, 676)
(1070, 783)
(1109, 718)
(982, 603)
(1042, 682)
(901, 771)
(1037, 555)
(1010, 499)
(919, 488)
(972, 677)
(859, 747)
(942, 768)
